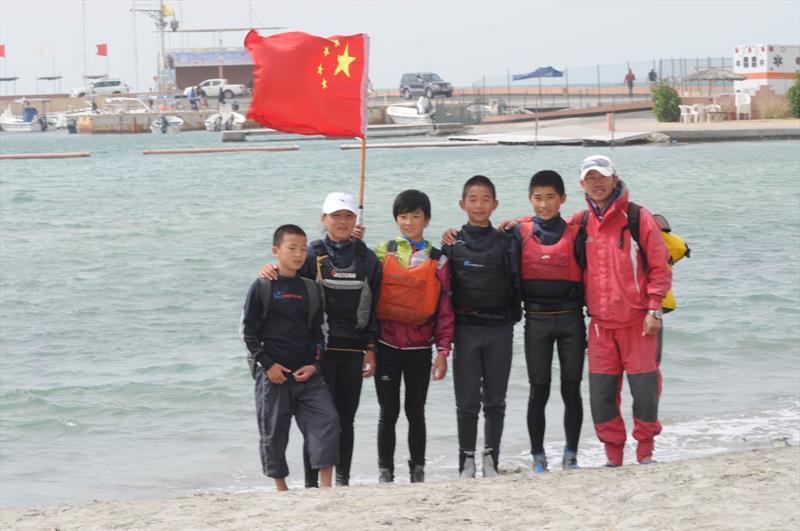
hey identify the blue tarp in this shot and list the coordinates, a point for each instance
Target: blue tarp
(545, 71)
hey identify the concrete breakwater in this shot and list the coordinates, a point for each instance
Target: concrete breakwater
(138, 122)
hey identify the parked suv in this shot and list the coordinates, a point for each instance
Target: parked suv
(101, 87)
(427, 83)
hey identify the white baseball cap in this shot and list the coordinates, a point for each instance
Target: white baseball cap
(336, 201)
(599, 163)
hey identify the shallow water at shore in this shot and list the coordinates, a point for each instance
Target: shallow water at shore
(122, 278)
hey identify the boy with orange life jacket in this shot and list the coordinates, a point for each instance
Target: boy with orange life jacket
(484, 265)
(414, 311)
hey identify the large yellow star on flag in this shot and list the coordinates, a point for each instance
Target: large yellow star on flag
(344, 62)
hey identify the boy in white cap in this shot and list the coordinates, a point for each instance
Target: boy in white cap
(625, 279)
(350, 275)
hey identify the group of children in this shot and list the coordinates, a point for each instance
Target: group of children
(383, 312)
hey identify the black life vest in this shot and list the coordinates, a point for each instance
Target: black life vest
(347, 294)
(481, 277)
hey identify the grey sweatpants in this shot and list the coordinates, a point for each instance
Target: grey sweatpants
(312, 406)
(481, 367)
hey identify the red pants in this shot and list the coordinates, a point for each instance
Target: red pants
(613, 351)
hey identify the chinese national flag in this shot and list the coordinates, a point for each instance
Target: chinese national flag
(102, 49)
(2, 50)
(310, 85)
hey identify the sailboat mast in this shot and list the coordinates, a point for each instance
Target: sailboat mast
(83, 25)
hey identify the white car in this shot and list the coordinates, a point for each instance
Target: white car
(212, 88)
(101, 87)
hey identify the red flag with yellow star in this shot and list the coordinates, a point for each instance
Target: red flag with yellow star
(310, 85)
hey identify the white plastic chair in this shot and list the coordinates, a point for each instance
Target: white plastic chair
(699, 112)
(686, 113)
(743, 104)
(710, 110)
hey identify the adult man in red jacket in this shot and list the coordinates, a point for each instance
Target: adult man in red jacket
(623, 295)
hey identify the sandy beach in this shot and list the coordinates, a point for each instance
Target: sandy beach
(757, 489)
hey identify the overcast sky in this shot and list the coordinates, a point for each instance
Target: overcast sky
(461, 40)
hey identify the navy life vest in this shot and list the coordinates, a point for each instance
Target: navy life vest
(481, 277)
(551, 274)
(347, 294)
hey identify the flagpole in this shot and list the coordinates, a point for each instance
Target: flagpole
(361, 185)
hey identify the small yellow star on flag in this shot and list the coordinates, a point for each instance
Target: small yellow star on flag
(344, 62)
(326, 52)
(319, 70)
(324, 83)
(335, 42)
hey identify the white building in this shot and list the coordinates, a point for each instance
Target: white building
(766, 64)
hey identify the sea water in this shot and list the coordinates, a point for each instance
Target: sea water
(122, 278)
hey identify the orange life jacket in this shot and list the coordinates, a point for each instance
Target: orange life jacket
(408, 295)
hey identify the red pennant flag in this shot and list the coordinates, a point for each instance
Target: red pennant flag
(102, 49)
(2, 50)
(310, 85)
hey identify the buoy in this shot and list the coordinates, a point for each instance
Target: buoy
(190, 151)
(68, 155)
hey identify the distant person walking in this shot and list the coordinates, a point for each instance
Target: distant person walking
(629, 79)
(221, 97)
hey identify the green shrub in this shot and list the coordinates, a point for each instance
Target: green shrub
(665, 103)
(794, 96)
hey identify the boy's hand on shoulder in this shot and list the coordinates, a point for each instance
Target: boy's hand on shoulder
(439, 366)
(506, 225)
(304, 373)
(358, 232)
(368, 364)
(276, 373)
(269, 271)
(449, 237)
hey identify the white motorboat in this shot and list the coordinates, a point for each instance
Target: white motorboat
(166, 124)
(225, 120)
(409, 116)
(30, 120)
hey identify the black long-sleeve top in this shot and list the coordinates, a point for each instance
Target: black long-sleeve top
(284, 336)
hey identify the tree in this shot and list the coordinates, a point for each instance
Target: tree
(794, 96)
(665, 103)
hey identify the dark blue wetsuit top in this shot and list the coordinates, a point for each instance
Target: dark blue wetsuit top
(342, 255)
(481, 238)
(284, 336)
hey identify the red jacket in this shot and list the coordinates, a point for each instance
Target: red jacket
(618, 290)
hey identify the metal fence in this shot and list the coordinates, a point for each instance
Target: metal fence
(594, 85)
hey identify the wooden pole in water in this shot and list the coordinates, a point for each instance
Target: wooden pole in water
(360, 219)
(192, 151)
(67, 155)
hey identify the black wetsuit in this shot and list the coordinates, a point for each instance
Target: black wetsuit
(561, 325)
